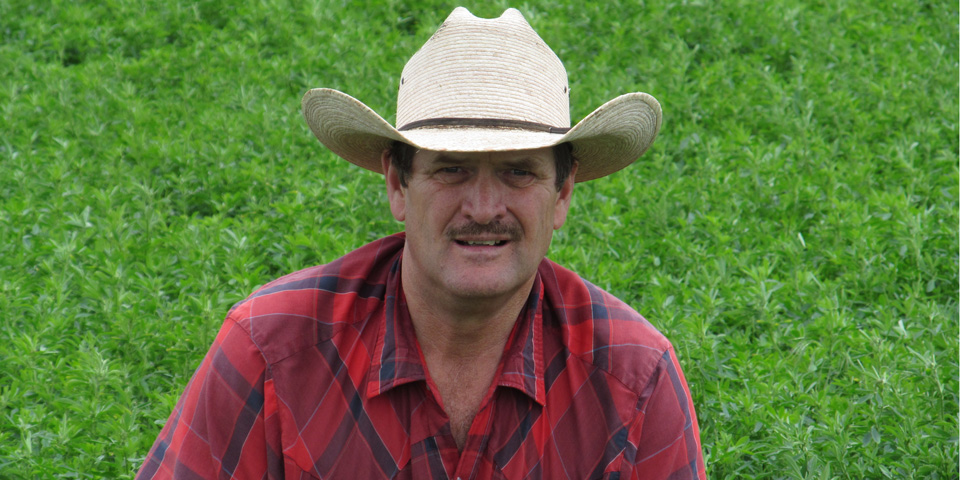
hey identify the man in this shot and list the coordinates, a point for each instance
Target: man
(455, 349)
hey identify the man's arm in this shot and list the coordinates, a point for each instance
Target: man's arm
(666, 433)
(220, 427)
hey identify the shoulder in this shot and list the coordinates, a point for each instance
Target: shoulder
(312, 305)
(602, 330)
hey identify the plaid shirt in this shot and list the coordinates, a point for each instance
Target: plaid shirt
(319, 375)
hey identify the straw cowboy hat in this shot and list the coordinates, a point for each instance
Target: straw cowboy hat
(486, 85)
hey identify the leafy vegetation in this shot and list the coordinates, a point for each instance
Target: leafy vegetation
(794, 230)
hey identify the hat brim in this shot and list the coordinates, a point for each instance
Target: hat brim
(605, 141)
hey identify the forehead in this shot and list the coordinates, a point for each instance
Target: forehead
(540, 157)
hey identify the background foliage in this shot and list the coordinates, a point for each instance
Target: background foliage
(794, 230)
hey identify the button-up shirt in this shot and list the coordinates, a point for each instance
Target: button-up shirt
(319, 375)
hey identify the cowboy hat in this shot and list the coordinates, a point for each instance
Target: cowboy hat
(486, 85)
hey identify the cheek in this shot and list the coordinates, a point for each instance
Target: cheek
(540, 215)
(432, 211)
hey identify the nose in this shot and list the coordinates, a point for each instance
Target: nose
(483, 199)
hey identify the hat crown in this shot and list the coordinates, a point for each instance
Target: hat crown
(484, 69)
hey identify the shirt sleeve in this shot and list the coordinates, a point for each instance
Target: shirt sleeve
(666, 434)
(220, 427)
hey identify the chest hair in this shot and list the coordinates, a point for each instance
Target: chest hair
(462, 388)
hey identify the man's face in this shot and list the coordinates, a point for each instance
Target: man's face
(478, 224)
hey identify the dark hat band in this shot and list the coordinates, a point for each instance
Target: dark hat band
(483, 122)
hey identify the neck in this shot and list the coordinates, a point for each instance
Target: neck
(466, 329)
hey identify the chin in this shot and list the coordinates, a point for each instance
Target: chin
(479, 287)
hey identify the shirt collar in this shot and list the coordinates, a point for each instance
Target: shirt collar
(523, 360)
(397, 359)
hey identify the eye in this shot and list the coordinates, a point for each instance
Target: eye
(519, 177)
(451, 174)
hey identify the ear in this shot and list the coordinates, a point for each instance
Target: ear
(396, 194)
(563, 198)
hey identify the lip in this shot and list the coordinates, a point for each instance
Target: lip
(466, 242)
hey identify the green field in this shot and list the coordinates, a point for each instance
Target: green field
(794, 230)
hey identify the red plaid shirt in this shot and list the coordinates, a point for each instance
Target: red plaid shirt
(319, 375)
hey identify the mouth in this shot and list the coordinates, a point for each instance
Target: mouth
(484, 238)
(481, 243)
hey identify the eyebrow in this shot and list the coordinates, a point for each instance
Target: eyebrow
(522, 163)
(447, 159)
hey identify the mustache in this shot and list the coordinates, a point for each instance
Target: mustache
(510, 230)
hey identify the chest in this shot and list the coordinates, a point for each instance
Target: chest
(406, 432)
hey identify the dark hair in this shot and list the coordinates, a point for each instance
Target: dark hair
(401, 156)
